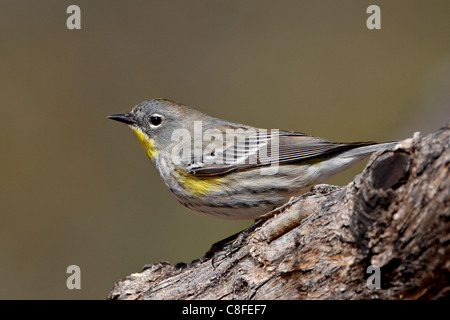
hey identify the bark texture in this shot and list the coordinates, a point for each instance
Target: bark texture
(394, 217)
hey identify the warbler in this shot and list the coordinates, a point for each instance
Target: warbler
(231, 170)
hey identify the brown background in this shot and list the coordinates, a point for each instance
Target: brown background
(76, 188)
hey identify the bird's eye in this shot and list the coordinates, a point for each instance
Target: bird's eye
(155, 120)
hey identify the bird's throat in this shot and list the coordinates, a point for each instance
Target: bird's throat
(147, 143)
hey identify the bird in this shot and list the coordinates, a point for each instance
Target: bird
(230, 170)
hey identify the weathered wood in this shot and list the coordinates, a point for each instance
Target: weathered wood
(394, 216)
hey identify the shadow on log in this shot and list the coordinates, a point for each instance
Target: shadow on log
(386, 235)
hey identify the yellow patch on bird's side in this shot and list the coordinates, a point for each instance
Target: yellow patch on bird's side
(198, 185)
(147, 143)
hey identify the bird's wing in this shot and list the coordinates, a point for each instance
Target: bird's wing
(262, 148)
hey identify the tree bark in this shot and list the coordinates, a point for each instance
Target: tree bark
(383, 236)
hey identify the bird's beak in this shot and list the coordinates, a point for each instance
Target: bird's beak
(124, 117)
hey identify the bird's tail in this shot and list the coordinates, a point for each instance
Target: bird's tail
(366, 150)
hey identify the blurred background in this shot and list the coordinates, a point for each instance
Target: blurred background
(76, 188)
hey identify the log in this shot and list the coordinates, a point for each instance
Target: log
(385, 235)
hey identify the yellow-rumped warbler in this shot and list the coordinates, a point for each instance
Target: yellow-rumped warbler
(230, 170)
